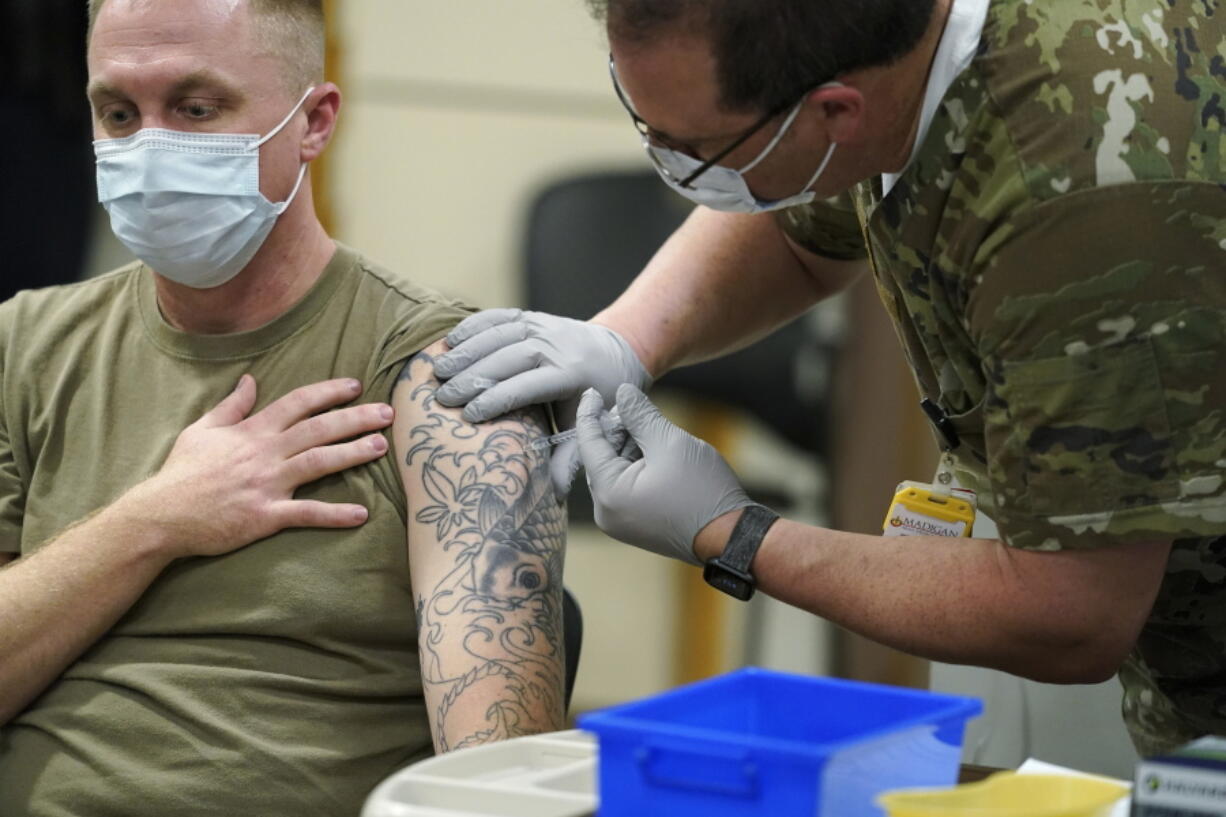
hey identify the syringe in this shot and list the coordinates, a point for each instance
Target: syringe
(611, 423)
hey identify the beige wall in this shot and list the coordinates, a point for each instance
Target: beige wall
(456, 113)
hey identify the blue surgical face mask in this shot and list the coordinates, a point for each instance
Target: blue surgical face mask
(189, 204)
(723, 188)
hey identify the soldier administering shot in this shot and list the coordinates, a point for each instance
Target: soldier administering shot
(1037, 188)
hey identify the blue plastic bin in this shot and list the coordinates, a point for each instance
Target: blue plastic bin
(757, 742)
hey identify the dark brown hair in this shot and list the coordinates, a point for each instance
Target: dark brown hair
(770, 52)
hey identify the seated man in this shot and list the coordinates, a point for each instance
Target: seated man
(235, 633)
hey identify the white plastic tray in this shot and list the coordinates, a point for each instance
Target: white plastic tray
(550, 775)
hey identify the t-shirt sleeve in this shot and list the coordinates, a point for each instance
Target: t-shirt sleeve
(1101, 321)
(432, 322)
(827, 228)
(12, 487)
(413, 331)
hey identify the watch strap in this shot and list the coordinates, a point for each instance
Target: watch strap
(747, 537)
(729, 572)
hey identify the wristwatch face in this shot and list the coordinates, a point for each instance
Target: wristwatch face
(728, 581)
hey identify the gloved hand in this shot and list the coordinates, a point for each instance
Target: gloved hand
(505, 359)
(660, 502)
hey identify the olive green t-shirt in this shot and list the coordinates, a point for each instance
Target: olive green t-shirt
(280, 679)
(1054, 259)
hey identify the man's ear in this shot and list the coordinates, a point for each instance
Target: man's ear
(843, 109)
(322, 108)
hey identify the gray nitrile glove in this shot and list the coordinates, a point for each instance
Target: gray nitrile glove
(660, 502)
(505, 359)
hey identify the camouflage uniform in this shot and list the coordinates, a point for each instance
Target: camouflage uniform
(1055, 263)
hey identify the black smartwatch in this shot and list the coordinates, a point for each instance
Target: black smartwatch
(729, 572)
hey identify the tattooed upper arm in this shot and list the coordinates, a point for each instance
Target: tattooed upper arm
(486, 538)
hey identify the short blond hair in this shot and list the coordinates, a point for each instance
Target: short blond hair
(293, 29)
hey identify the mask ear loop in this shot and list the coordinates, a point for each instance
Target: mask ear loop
(283, 206)
(787, 124)
(821, 168)
(284, 121)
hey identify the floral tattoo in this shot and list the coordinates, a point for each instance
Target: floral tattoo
(490, 629)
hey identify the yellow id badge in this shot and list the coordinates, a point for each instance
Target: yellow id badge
(922, 510)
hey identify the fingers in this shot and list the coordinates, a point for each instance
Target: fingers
(532, 388)
(564, 464)
(490, 370)
(319, 462)
(630, 450)
(620, 439)
(476, 324)
(305, 402)
(336, 425)
(642, 419)
(478, 347)
(234, 408)
(613, 430)
(308, 513)
(597, 453)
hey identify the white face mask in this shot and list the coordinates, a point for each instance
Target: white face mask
(725, 189)
(189, 204)
(719, 187)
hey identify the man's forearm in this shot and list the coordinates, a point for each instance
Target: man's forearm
(59, 601)
(1064, 617)
(721, 282)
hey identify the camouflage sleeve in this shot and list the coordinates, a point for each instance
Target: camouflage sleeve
(827, 228)
(1100, 318)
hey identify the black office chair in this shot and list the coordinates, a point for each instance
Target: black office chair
(572, 638)
(588, 236)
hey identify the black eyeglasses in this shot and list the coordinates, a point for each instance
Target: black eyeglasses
(650, 135)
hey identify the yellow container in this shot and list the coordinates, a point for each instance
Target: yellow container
(1008, 794)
